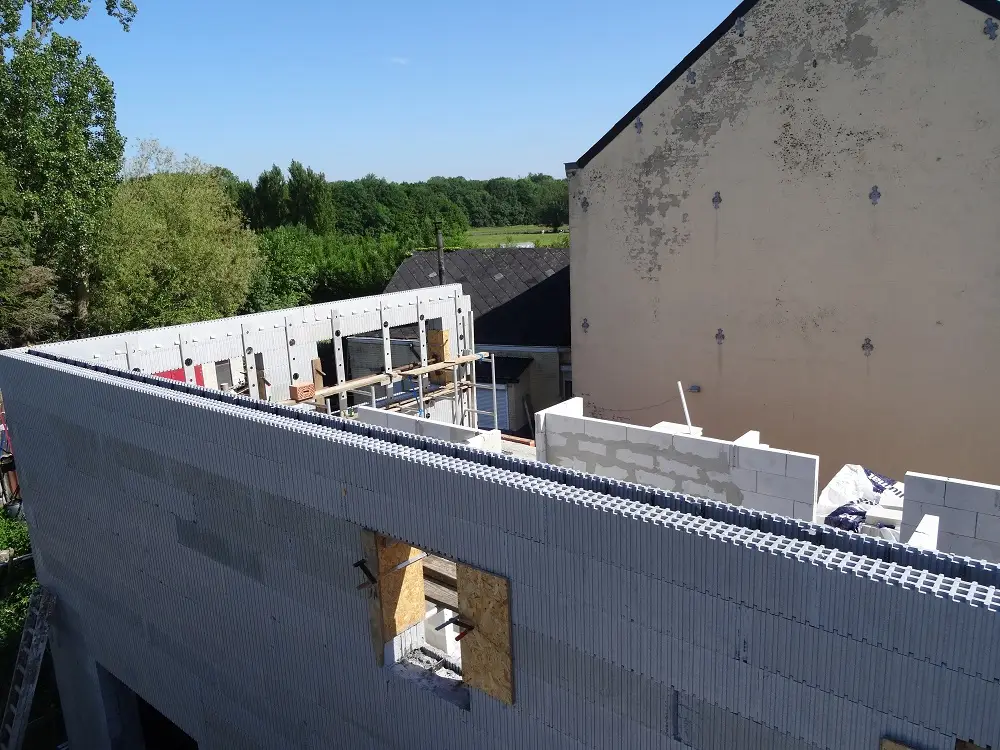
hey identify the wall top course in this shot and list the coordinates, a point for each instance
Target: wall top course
(637, 502)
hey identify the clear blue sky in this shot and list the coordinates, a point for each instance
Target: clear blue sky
(404, 89)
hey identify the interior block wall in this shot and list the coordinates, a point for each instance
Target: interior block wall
(202, 552)
(452, 433)
(969, 513)
(762, 478)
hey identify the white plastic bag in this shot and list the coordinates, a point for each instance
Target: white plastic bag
(857, 496)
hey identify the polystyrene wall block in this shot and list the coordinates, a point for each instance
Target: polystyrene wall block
(217, 580)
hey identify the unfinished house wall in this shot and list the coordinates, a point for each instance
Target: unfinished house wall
(968, 513)
(792, 118)
(201, 546)
(452, 433)
(765, 479)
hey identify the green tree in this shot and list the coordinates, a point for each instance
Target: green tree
(174, 248)
(288, 271)
(29, 307)
(270, 202)
(554, 204)
(58, 135)
(310, 199)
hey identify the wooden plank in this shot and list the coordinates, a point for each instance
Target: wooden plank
(440, 570)
(401, 592)
(887, 744)
(437, 350)
(318, 382)
(441, 595)
(484, 601)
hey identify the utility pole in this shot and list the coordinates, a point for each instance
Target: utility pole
(440, 243)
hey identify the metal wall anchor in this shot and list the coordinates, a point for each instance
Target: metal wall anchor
(868, 347)
(874, 195)
(991, 29)
(717, 199)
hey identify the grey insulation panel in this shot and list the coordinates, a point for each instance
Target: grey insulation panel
(201, 546)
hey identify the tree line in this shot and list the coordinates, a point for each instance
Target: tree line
(91, 243)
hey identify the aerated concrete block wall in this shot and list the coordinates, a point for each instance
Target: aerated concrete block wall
(762, 478)
(451, 433)
(969, 513)
(201, 548)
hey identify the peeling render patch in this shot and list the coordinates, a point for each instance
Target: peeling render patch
(736, 76)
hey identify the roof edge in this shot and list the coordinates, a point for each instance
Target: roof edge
(989, 7)
(682, 67)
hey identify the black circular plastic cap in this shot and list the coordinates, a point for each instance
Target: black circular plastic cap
(291, 342)
(295, 376)
(188, 362)
(249, 350)
(337, 334)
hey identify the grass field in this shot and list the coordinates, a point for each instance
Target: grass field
(496, 236)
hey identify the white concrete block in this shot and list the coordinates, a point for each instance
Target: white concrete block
(655, 479)
(675, 428)
(631, 458)
(925, 536)
(802, 466)
(649, 436)
(369, 415)
(605, 430)
(803, 511)
(954, 520)
(745, 479)
(914, 511)
(974, 496)
(977, 549)
(760, 459)
(556, 424)
(778, 485)
(888, 516)
(593, 446)
(704, 448)
(769, 504)
(988, 527)
(924, 488)
(751, 438)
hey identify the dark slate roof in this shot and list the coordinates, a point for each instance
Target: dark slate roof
(989, 7)
(509, 369)
(520, 296)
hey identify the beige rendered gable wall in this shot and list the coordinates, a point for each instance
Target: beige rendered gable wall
(793, 124)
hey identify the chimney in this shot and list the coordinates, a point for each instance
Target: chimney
(440, 244)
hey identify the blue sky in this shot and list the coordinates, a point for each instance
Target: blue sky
(404, 89)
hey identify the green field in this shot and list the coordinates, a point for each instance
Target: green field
(496, 236)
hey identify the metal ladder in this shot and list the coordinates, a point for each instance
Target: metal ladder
(34, 639)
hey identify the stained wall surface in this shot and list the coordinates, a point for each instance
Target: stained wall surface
(793, 124)
(201, 547)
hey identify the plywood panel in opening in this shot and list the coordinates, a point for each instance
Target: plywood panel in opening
(484, 601)
(401, 592)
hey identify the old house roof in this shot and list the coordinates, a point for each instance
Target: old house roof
(520, 296)
(989, 7)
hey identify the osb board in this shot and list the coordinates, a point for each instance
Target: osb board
(484, 601)
(437, 351)
(401, 592)
(893, 745)
(963, 745)
(318, 381)
(370, 554)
